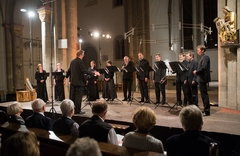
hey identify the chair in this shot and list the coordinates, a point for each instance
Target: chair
(3, 117)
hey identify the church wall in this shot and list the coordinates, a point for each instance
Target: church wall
(101, 16)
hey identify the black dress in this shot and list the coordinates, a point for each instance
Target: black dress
(92, 88)
(109, 90)
(59, 87)
(41, 86)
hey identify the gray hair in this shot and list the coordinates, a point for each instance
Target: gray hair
(37, 105)
(191, 118)
(13, 108)
(66, 107)
(84, 146)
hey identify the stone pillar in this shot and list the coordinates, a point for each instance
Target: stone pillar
(47, 43)
(229, 66)
(60, 23)
(71, 25)
(17, 56)
(10, 86)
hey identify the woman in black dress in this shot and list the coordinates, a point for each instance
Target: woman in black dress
(59, 82)
(109, 90)
(92, 86)
(41, 77)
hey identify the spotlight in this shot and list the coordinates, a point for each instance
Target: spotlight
(23, 10)
(103, 35)
(80, 40)
(108, 36)
(96, 34)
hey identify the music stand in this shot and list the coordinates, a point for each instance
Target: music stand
(52, 108)
(113, 69)
(161, 65)
(177, 67)
(88, 102)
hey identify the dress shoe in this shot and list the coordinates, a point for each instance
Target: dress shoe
(178, 103)
(147, 101)
(125, 99)
(157, 102)
(163, 102)
(108, 99)
(206, 114)
(141, 101)
(112, 100)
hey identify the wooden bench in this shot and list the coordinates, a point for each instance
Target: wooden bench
(55, 144)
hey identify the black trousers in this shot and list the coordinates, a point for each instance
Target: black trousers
(127, 88)
(76, 93)
(160, 88)
(179, 87)
(205, 97)
(143, 90)
(192, 92)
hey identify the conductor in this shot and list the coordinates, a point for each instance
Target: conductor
(77, 70)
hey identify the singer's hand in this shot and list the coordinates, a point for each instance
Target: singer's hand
(194, 72)
(96, 73)
(146, 79)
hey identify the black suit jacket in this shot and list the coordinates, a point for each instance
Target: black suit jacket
(191, 67)
(189, 143)
(95, 128)
(128, 75)
(159, 74)
(77, 70)
(142, 74)
(203, 71)
(37, 120)
(182, 75)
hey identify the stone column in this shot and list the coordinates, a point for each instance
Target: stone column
(71, 25)
(10, 86)
(17, 56)
(229, 66)
(47, 43)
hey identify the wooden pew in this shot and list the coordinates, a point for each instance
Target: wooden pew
(57, 145)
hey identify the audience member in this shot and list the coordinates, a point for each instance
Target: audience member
(84, 147)
(191, 141)
(14, 111)
(21, 144)
(38, 119)
(144, 119)
(65, 124)
(96, 128)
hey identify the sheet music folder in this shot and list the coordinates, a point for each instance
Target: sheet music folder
(101, 71)
(130, 68)
(112, 68)
(147, 68)
(177, 66)
(57, 74)
(161, 65)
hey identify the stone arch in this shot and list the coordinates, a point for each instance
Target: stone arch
(91, 54)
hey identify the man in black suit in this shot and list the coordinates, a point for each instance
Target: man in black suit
(159, 78)
(77, 70)
(143, 77)
(127, 78)
(203, 75)
(180, 78)
(191, 141)
(38, 119)
(192, 89)
(96, 128)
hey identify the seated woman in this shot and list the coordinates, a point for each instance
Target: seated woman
(191, 141)
(109, 90)
(144, 119)
(21, 144)
(92, 86)
(14, 111)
